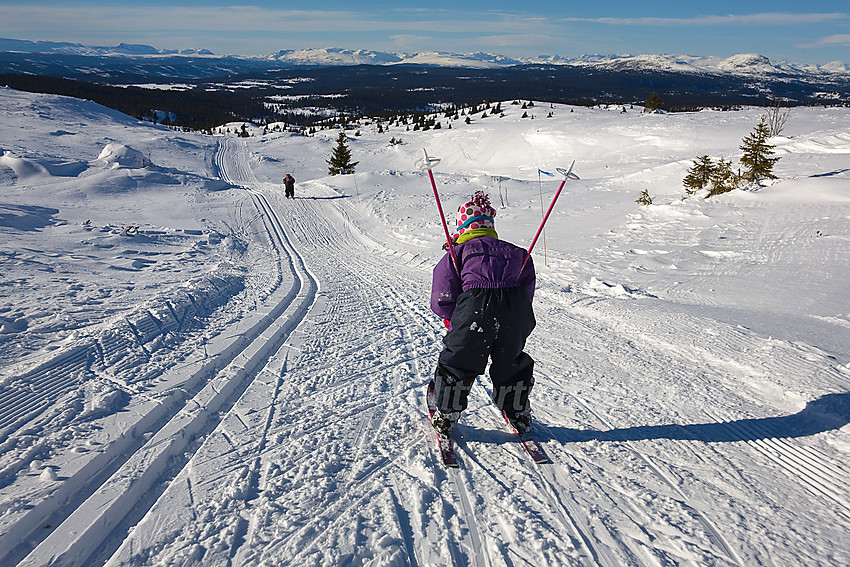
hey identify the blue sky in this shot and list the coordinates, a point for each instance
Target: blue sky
(805, 32)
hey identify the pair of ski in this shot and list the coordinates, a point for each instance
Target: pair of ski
(447, 449)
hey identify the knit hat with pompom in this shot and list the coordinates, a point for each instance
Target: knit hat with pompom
(474, 214)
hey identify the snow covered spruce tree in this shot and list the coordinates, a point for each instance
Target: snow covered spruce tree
(758, 160)
(340, 162)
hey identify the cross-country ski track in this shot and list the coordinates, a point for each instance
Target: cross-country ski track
(300, 436)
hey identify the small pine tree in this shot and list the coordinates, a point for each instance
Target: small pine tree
(340, 162)
(758, 160)
(698, 175)
(723, 179)
(644, 199)
(653, 103)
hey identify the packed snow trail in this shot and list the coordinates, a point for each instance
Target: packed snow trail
(107, 504)
(327, 458)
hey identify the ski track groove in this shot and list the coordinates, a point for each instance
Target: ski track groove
(393, 301)
(558, 490)
(713, 532)
(724, 353)
(201, 423)
(811, 469)
(281, 243)
(476, 548)
(720, 542)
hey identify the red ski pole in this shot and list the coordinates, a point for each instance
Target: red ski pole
(568, 174)
(428, 163)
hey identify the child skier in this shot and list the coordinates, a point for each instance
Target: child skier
(485, 302)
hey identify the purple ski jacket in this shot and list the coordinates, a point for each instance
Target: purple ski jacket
(485, 262)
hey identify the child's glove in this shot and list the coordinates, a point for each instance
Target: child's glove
(448, 324)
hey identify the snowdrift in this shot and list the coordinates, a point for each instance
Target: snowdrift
(119, 155)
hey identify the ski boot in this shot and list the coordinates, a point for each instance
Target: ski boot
(444, 422)
(521, 421)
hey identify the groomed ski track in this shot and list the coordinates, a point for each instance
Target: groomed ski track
(306, 443)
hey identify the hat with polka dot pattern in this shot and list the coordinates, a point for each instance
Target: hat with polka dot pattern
(475, 213)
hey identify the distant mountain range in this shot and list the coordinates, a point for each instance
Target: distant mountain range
(743, 63)
(746, 64)
(65, 48)
(201, 89)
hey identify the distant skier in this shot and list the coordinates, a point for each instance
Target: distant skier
(289, 184)
(487, 309)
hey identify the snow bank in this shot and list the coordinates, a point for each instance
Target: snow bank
(23, 168)
(119, 155)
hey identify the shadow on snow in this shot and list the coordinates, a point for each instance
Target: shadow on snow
(827, 413)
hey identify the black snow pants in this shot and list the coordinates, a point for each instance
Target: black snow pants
(494, 324)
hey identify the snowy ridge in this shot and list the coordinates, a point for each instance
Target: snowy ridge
(736, 64)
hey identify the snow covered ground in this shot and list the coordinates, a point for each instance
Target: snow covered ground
(195, 370)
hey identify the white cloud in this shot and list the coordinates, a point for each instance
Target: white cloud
(89, 22)
(132, 19)
(838, 40)
(763, 19)
(515, 40)
(410, 41)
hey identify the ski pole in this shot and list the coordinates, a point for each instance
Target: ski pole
(568, 174)
(428, 163)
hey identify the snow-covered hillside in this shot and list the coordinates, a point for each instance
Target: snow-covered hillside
(196, 370)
